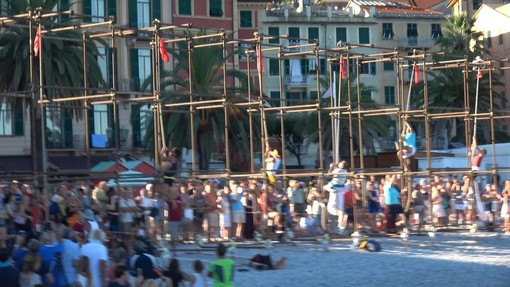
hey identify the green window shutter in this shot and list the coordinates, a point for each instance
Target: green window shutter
(87, 10)
(364, 36)
(133, 14)
(156, 9)
(185, 7)
(372, 68)
(18, 119)
(304, 66)
(274, 69)
(313, 34)
(111, 123)
(275, 98)
(68, 128)
(322, 66)
(341, 35)
(274, 31)
(293, 32)
(245, 19)
(135, 125)
(215, 9)
(286, 67)
(64, 5)
(91, 124)
(112, 58)
(389, 66)
(134, 69)
(112, 8)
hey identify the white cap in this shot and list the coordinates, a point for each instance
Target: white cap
(148, 186)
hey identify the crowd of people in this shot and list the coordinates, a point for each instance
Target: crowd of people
(96, 235)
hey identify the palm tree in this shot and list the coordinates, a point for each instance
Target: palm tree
(62, 65)
(446, 89)
(206, 84)
(459, 37)
(373, 127)
(62, 60)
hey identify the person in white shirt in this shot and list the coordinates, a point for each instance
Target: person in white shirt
(127, 211)
(97, 254)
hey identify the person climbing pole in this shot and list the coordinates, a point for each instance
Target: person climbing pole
(408, 144)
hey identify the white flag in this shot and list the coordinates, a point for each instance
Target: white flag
(328, 93)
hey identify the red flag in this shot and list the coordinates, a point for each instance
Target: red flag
(162, 50)
(479, 75)
(343, 68)
(416, 74)
(260, 58)
(37, 42)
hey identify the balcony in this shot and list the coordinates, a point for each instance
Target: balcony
(416, 42)
(296, 81)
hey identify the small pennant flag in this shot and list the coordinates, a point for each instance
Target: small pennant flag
(37, 42)
(260, 59)
(479, 75)
(163, 52)
(416, 74)
(343, 68)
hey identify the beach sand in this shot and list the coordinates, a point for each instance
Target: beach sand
(451, 259)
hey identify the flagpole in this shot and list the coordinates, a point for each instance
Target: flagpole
(336, 119)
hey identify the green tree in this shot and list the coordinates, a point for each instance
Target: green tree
(206, 84)
(374, 128)
(63, 63)
(294, 133)
(446, 87)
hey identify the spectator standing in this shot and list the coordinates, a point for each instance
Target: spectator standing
(51, 251)
(83, 277)
(8, 273)
(176, 275)
(97, 255)
(392, 198)
(505, 210)
(175, 213)
(212, 212)
(127, 214)
(28, 276)
(238, 210)
(71, 255)
(225, 215)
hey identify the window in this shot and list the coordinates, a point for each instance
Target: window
(412, 30)
(97, 10)
(489, 39)
(367, 69)
(312, 65)
(246, 19)
(11, 119)
(274, 68)
(101, 123)
(389, 66)
(5, 8)
(313, 95)
(142, 116)
(243, 47)
(387, 31)
(140, 13)
(215, 8)
(143, 8)
(184, 7)
(389, 95)
(477, 4)
(274, 31)
(102, 61)
(313, 34)
(341, 35)
(59, 128)
(436, 31)
(6, 120)
(293, 35)
(500, 39)
(364, 36)
(275, 98)
(295, 98)
(144, 64)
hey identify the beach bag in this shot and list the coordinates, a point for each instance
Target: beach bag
(372, 246)
(262, 262)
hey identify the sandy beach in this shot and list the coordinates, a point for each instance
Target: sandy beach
(451, 259)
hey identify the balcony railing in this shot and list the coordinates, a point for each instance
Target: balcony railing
(296, 81)
(416, 42)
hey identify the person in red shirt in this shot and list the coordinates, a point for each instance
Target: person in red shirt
(348, 205)
(477, 155)
(175, 212)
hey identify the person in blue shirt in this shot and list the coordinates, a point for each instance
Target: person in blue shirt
(408, 144)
